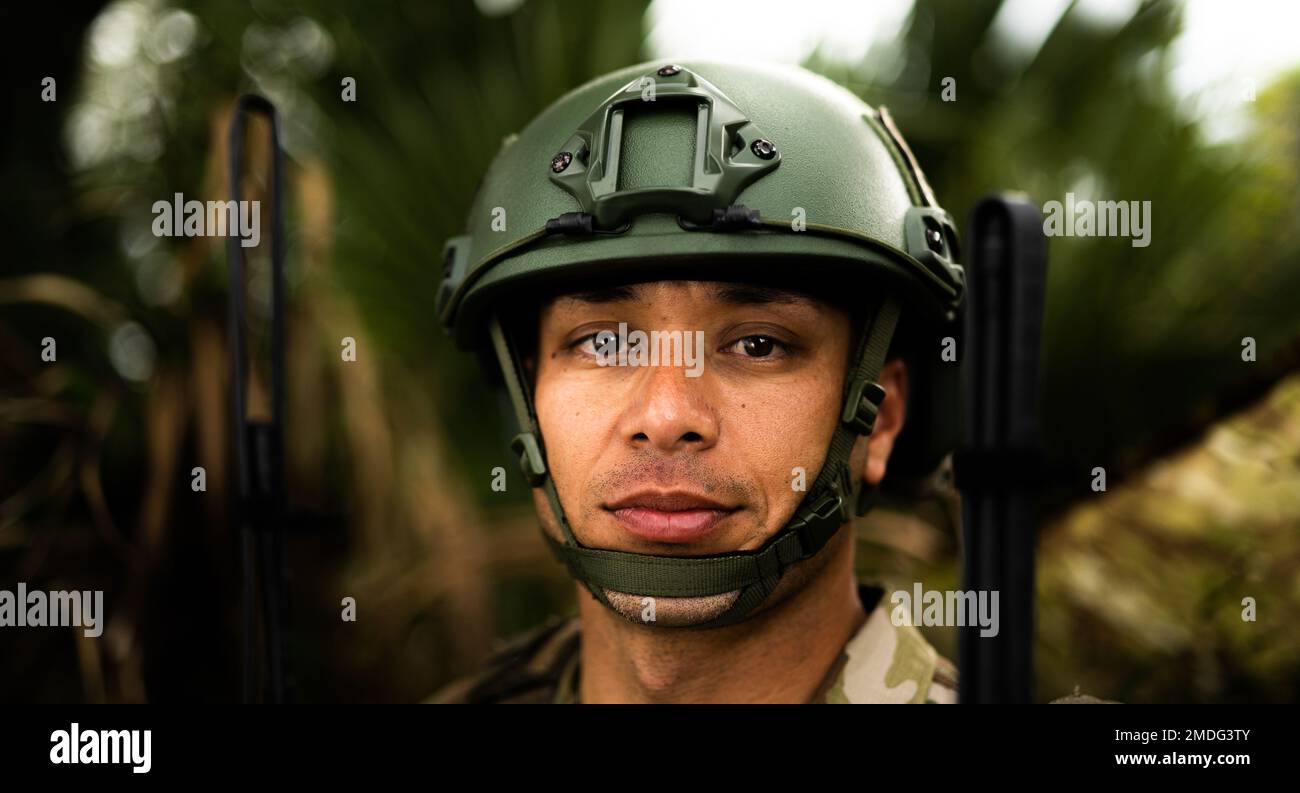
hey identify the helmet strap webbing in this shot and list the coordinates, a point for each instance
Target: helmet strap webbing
(834, 498)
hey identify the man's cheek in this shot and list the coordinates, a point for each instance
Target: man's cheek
(572, 430)
(790, 454)
(790, 473)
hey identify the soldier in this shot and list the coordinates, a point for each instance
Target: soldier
(690, 277)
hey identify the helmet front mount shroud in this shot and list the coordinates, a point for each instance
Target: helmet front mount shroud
(729, 153)
(730, 156)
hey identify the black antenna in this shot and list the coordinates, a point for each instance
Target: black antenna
(999, 470)
(259, 445)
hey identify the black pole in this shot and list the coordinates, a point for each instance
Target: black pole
(259, 445)
(998, 471)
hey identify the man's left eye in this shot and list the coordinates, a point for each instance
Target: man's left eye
(757, 346)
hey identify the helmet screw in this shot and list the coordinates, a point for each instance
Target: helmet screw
(669, 70)
(764, 148)
(560, 162)
(933, 236)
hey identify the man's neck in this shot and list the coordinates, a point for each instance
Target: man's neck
(781, 655)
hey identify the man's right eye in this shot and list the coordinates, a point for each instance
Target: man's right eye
(603, 342)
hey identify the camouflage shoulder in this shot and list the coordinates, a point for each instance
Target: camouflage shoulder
(888, 663)
(527, 669)
(943, 686)
(1077, 698)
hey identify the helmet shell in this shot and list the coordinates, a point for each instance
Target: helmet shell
(841, 171)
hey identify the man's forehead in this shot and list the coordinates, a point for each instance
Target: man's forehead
(727, 292)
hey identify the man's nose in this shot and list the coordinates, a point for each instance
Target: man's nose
(670, 412)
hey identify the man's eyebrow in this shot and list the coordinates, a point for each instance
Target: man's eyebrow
(609, 294)
(751, 294)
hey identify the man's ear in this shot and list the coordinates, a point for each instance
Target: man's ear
(871, 454)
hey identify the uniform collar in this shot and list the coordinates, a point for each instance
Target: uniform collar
(881, 663)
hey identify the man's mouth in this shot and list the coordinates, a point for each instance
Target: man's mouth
(673, 516)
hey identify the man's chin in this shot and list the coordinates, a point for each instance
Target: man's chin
(670, 612)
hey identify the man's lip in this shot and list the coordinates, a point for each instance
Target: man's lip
(667, 501)
(677, 517)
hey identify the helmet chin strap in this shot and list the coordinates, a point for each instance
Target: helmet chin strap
(834, 498)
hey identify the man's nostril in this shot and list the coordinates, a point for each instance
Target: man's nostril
(692, 436)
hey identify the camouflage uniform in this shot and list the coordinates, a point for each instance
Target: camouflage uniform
(882, 663)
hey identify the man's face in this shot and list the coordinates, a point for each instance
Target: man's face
(675, 460)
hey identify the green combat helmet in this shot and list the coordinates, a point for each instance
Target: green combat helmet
(729, 172)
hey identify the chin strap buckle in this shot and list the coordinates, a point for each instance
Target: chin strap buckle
(862, 405)
(822, 520)
(531, 461)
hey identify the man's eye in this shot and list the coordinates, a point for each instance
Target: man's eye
(604, 342)
(757, 346)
